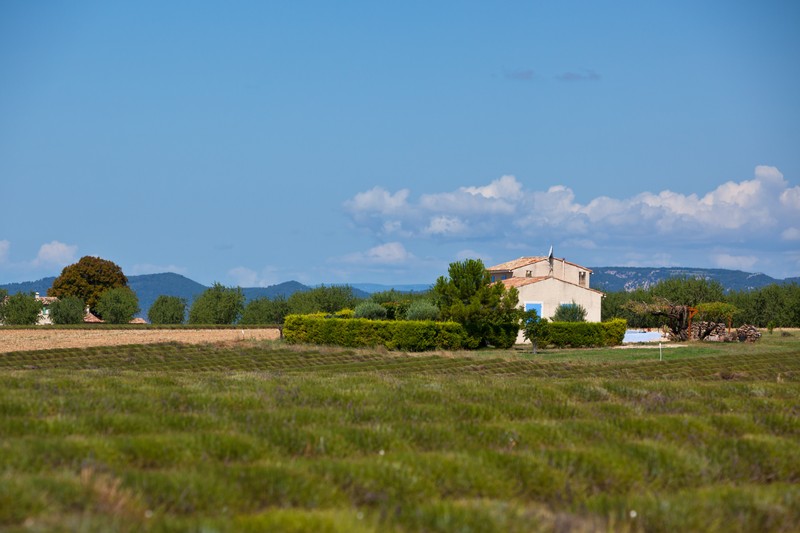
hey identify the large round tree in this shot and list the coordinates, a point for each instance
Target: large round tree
(88, 279)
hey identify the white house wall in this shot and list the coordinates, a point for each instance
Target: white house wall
(553, 292)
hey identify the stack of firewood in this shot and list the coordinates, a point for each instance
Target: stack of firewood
(748, 333)
(719, 332)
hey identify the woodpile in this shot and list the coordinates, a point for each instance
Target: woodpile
(748, 333)
(718, 332)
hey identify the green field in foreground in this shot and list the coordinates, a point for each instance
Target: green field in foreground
(277, 438)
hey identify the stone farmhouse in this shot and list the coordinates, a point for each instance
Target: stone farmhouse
(544, 283)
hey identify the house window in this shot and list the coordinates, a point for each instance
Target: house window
(534, 305)
(582, 279)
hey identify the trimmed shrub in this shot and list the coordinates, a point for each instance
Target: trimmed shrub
(67, 310)
(422, 310)
(360, 332)
(370, 310)
(586, 334)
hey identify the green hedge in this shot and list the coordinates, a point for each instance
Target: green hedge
(407, 335)
(586, 334)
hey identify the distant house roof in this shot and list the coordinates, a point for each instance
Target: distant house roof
(90, 318)
(525, 261)
(138, 320)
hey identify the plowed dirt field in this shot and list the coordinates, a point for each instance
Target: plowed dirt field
(13, 340)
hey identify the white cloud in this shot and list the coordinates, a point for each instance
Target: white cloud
(391, 253)
(445, 225)
(4, 247)
(55, 253)
(735, 262)
(246, 277)
(790, 198)
(378, 200)
(146, 268)
(760, 212)
(791, 234)
(504, 187)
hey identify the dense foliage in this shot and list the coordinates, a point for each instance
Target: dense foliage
(67, 310)
(118, 306)
(323, 299)
(777, 304)
(422, 310)
(88, 279)
(265, 311)
(408, 335)
(571, 312)
(534, 328)
(586, 334)
(370, 310)
(19, 309)
(217, 305)
(167, 310)
(488, 311)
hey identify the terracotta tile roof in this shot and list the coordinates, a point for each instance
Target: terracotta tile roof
(521, 282)
(138, 320)
(90, 318)
(517, 263)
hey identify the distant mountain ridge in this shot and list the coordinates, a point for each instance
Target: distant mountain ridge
(615, 279)
(148, 287)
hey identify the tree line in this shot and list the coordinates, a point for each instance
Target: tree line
(776, 305)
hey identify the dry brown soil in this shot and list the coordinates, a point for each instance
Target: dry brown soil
(12, 340)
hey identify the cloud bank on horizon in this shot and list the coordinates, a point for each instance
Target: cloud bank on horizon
(744, 225)
(751, 225)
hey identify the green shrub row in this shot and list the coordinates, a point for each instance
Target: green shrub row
(586, 334)
(410, 335)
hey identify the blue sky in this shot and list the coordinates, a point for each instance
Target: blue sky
(252, 143)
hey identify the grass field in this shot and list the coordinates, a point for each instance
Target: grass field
(271, 437)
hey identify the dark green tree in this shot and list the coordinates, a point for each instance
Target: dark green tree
(571, 312)
(688, 291)
(167, 310)
(488, 311)
(217, 305)
(534, 328)
(323, 299)
(20, 309)
(118, 305)
(88, 279)
(67, 310)
(265, 311)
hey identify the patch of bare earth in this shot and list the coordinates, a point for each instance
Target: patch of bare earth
(14, 340)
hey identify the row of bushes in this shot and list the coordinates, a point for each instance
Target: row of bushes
(422, 335)
(411, 335)
(584, 334)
